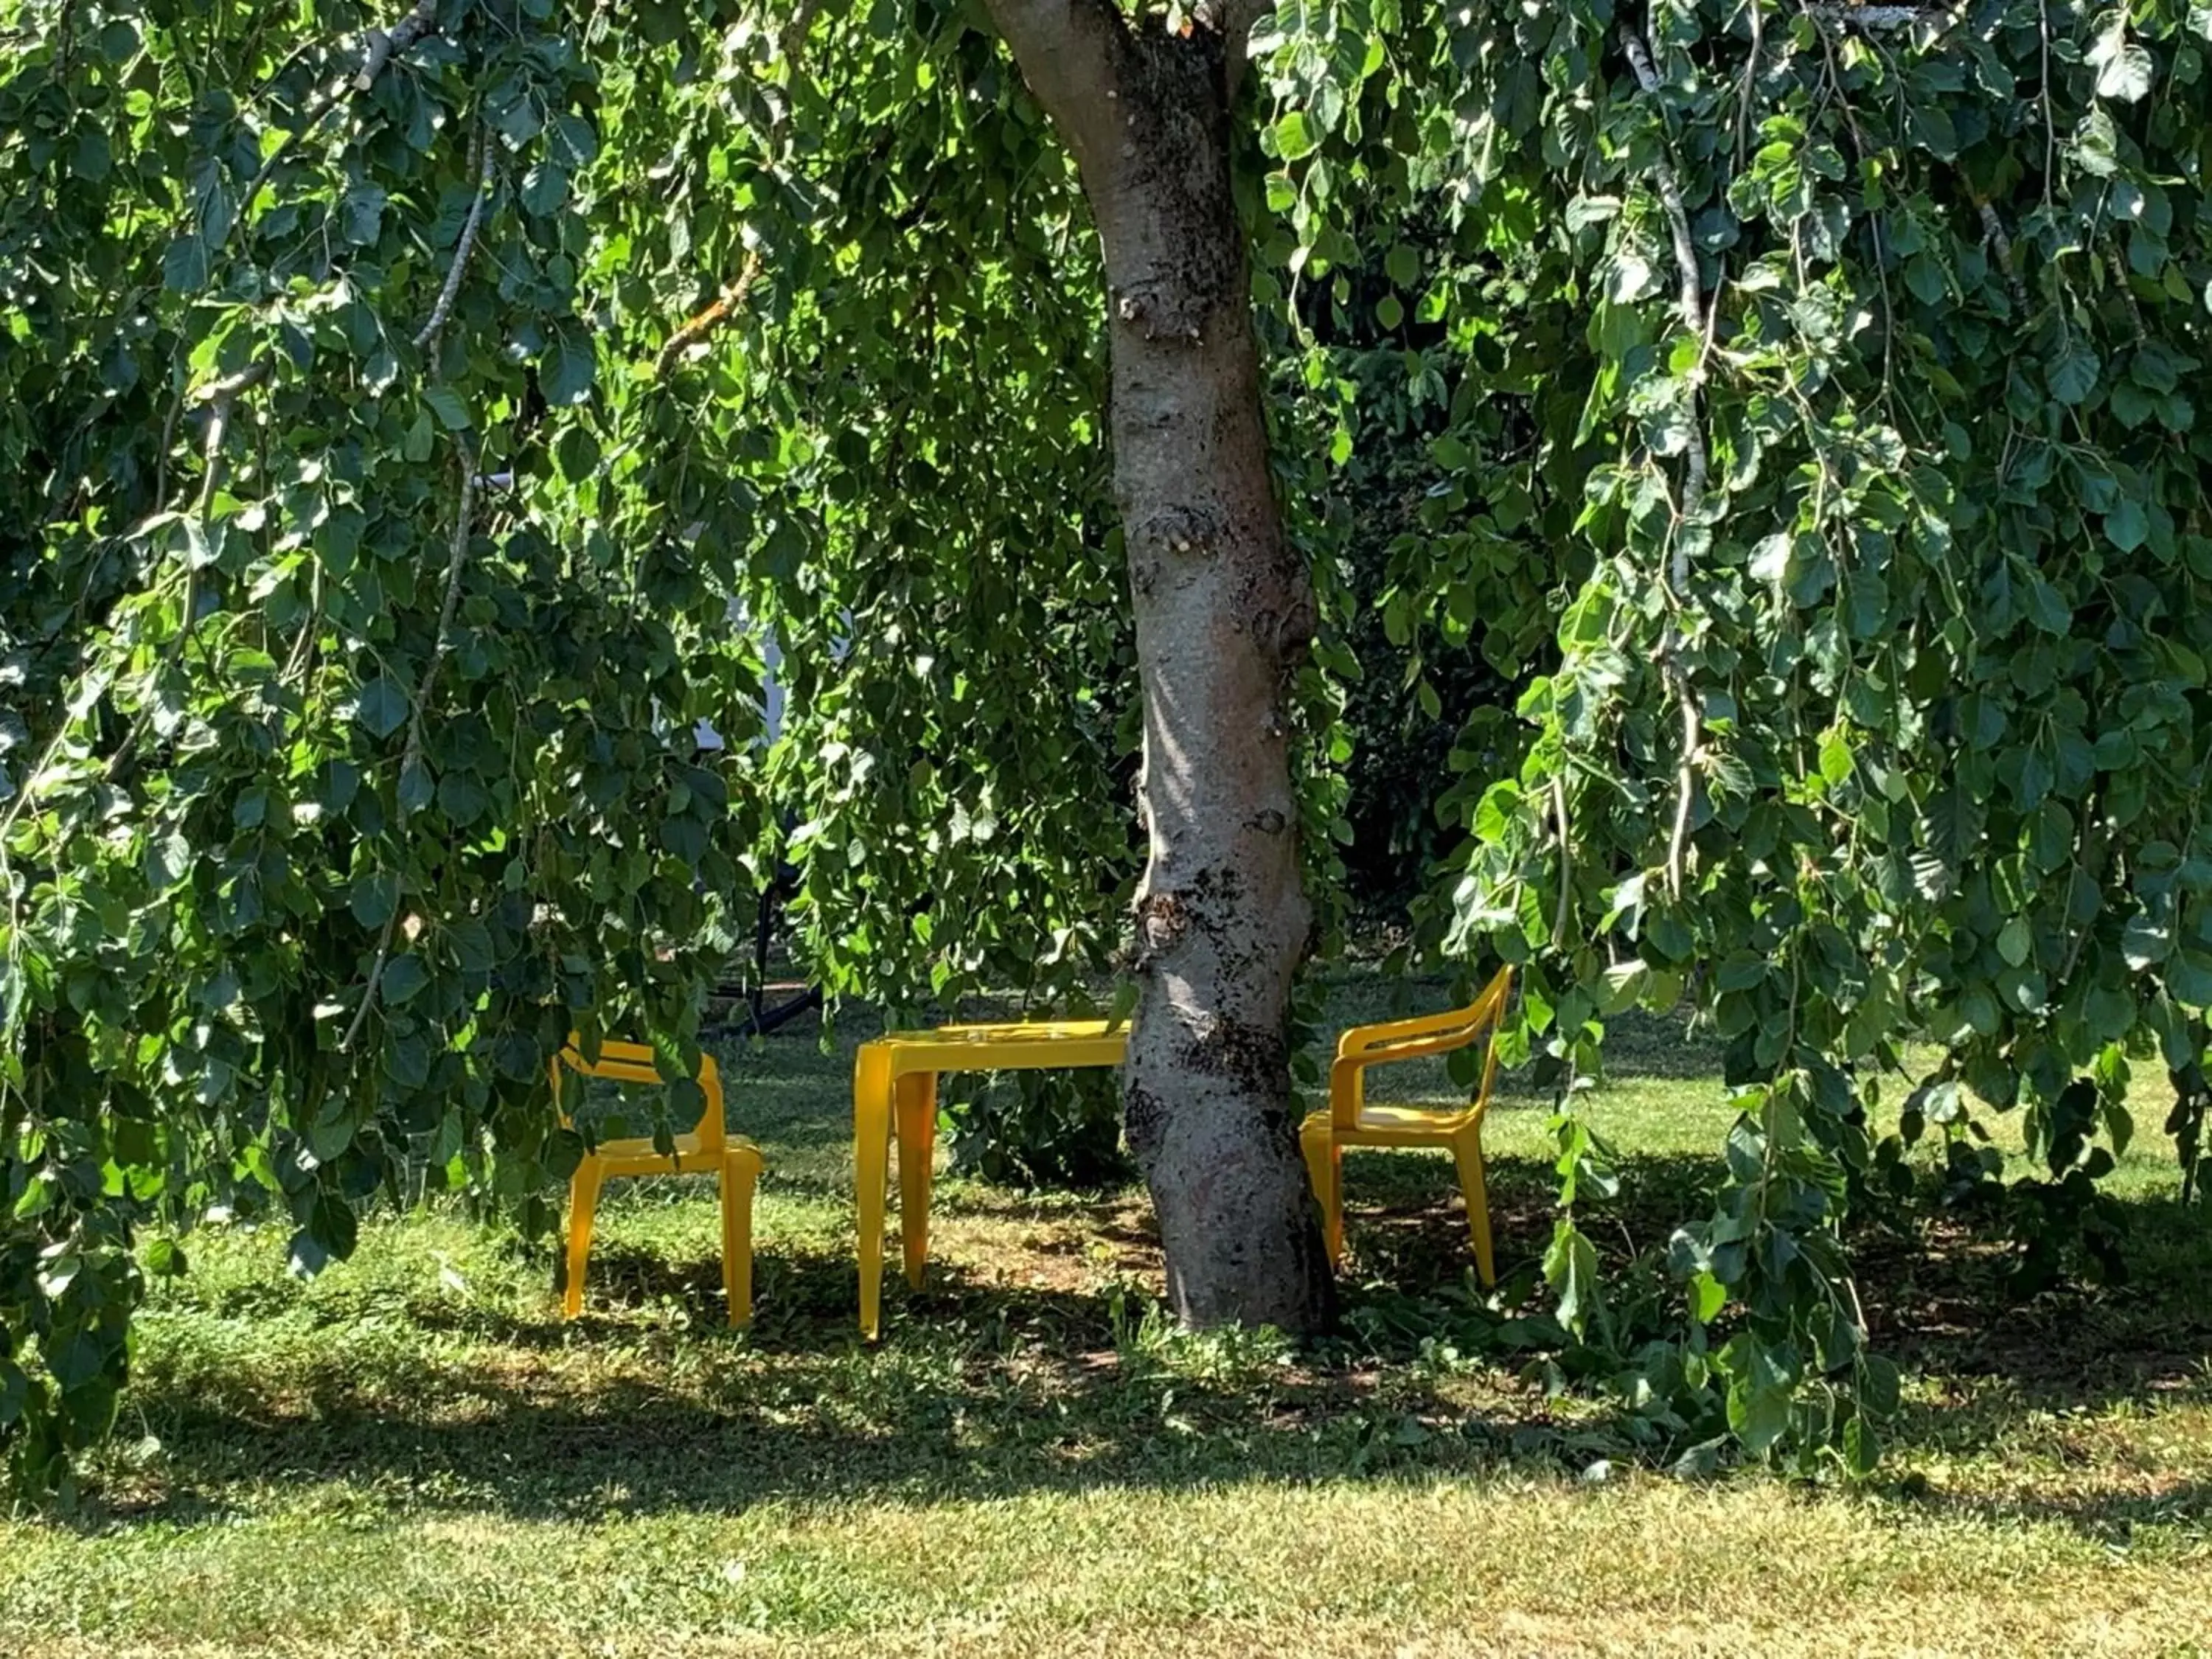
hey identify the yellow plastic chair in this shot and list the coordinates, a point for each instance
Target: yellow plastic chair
(1351, 1121)
(708, 1148)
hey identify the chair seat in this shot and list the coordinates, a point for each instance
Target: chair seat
(1395, 1125)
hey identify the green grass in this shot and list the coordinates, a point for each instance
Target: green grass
(413, 1453)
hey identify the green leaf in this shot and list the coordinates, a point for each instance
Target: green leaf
(1707, 1297)
(364, 214)
(570, 369)
(168, 861)
(403, 976)
(2127, 527)
(373, 897)
(544, 188)
(2127, 74)
(164, 1258)
(462, 798)
(184, 267)
(1294, 137)
(2144, 943)
(383, 707)
(447, 405)
(1861, 1447)
(1758, 1415)
(1570, 1269)
(2072, 373)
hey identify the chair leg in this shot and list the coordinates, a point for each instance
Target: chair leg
(871, 1135)
(1468, 1149)
(917, 1157)
(1325, 1169)
(583, 1208)
(741, 1169)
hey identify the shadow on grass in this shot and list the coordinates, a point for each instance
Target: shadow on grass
(1035, 1377)
(978, 1390)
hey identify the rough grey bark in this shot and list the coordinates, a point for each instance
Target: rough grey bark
(1224, 613)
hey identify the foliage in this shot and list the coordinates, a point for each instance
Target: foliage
(1855, 359)
(1039, 1129)
(391, 406)
(361, 596)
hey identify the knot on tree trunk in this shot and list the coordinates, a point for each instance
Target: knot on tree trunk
(1163, 921)
(1161, 312)
(1180, 528)
(1167, 917)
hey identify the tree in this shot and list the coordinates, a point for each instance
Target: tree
(390, 404)
(1224, 610)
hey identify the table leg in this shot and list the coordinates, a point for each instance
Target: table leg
(917, 1142)
(872, 1152)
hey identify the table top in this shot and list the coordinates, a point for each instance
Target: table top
(1043, 1042)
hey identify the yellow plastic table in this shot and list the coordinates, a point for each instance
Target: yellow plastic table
(895, 1093)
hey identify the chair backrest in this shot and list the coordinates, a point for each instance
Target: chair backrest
(1410, 1039)
(632, 1062)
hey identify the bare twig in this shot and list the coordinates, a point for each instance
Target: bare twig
(1750, 85)
(1685, 782)
(2043, 97)
(484, 154)
(411, 756)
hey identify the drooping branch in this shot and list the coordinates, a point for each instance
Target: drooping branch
(485, 155)
(1690, 293)
(411, 754)
(1696, 468)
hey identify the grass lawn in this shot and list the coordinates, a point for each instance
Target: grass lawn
(414, 1455)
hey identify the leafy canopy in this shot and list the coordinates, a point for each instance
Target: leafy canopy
(391, 406)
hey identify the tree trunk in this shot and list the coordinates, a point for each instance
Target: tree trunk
(1224, 613)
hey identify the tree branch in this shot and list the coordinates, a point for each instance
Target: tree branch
(1877, 17)
(2000, 245)
(1690, 296)
(385, 45)
(1069, 52)
(379, 48)
(463, 246)
(731, 296)
(411, 756)
(1696, 466)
